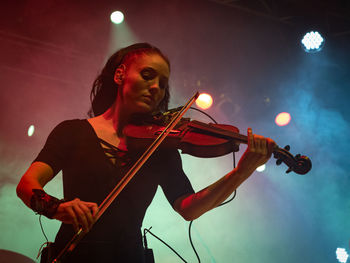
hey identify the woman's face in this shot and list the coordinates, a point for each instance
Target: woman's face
(143, 84)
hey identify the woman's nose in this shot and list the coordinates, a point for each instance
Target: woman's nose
(155, 86)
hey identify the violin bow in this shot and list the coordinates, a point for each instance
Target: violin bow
(126, 179)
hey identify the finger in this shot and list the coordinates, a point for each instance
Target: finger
(87, 214)
(250, 139)
(257, 143)
(263, 145)
(271, 146)
(86, 210)
(75, 222)
(93, 207)
(81, 216)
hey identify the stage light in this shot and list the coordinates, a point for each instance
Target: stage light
(282, 119)
(312, 42)
(204, 101)
(117, 17)
(30, 131)
(342, 255)
(261, 168)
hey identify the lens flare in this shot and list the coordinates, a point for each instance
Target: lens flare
(342, 255)
(117, 17)
(31, 130)
(204, 101)
(282, 119)
(261, 168)
(312, 42)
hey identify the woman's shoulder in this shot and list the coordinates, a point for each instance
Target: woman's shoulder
(70, 126)
(72, 123)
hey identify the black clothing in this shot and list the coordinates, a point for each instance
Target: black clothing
(89, 175)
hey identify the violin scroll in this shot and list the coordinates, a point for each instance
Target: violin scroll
(299, 164)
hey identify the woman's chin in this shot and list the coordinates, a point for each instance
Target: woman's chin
(144, 107)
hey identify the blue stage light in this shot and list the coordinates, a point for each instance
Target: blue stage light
(312, 42)
(342, 255)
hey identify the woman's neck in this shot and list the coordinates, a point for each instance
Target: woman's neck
(117, 118)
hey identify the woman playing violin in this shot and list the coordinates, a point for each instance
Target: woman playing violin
(93, 155)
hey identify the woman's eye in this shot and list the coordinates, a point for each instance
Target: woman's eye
(148, 74)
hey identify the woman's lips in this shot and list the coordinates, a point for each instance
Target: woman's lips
(148, 98)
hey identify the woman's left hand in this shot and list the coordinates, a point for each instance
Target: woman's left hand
(258, 152)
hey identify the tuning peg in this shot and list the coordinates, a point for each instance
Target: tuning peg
(279, 161)
(287, 147)
(289, 170)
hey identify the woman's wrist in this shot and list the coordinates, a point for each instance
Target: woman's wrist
(44, 204)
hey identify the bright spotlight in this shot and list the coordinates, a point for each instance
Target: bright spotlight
(342, 255)
(312, 42)
(204, 101)
(117, 17)
(261, 168)
(282, 119)
(30, 131)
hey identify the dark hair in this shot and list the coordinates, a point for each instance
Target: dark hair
(104, 89)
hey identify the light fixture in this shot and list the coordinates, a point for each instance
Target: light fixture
(312, 42)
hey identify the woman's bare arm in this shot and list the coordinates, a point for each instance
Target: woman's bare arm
(75, 212)
(258, 152)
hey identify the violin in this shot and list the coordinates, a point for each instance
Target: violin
(203, 140)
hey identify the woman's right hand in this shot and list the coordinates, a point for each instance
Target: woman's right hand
(75, 212)
(78, 213)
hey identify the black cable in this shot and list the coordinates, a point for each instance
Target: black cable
(144, 237)
(190, 237)
(149, 231)
(235, 192)
(204, 114)
(224, 203)
(190, 225)
(233, 197)
(42, 229)
(47, 243)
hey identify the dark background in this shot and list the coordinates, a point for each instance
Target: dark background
(247, 54)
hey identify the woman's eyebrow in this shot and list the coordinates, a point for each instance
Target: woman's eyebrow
(155, 70)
